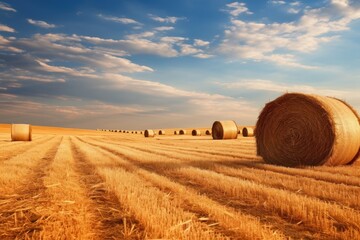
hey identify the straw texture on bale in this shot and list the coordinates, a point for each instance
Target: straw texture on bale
(224, 130)
(182, 132)
(149, 133)
(161, 132)
(300, 129)
(196, 132)
(248, 132)
(208, 132)
(21, 132)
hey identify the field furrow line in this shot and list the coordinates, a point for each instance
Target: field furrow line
(336, 193)
(243, 226)
(22, 192)
(147, 203)
(16, 148)
(332, 219)
(111, 219)
(182, 154)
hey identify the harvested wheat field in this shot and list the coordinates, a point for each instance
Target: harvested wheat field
(84, 184)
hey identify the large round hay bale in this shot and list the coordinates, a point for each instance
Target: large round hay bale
(21, 132)
(208, 132)
(224, 130)
(248, 132)
(182, 132)
(161, 132)
(196, 132)
(149, 133)
(300, 129)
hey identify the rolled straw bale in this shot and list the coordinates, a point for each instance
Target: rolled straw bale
(208, 132)
(248, 131)
(176, 132)
(21, 132)
(149, 133)
(161, 132)
(224, 130)
(301, 129)
(196, 132)
(182, 132)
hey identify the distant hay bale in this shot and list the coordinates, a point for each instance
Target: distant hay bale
(149, 133)
(208, 132)
(161, 132)
(136, 132)
(141, 132)
(248, 131)
(182, 132)
(176, 132)
(224, 130)
(196, 132)
(240, 131)
(21, 132)
(300, 129)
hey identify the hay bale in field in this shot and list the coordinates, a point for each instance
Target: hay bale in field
(248, 131)
(21, 132)
(182, 132)
(301, 129)
(149, 133)
(224, 130)
(196, 132)
(176, 132)
(161, 132)
(208, 132)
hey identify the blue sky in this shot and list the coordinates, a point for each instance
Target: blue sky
(151, 64)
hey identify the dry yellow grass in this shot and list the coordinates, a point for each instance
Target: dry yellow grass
(84, 184)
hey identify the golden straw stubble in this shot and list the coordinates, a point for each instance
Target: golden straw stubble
(21, 132)
(224, 130)
(301, 129)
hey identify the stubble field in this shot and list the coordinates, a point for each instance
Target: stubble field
(78, 184)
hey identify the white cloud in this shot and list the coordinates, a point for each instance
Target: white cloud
(41, 24)
(271, 86)
(6, 7)
(263, 41)
(119, 20)
(164, 28)
(203, 55)
(280, 2)
(237, 8)
(166, 19)
(5, 28)
(201, 43)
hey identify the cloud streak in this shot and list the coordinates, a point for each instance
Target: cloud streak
(41, 24)
(6, 7)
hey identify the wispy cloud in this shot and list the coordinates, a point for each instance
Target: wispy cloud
(237, 8)
(6, 7)
(271, 86)
(163, 28)
(294, 7)
(5, 28)
(262, 41)
(166, 19)
(119, 19)
(41, 24)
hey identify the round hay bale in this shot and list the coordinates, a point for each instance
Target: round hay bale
(208, 132)
(161, 132)
(196, 132)
(21, 132)
(149, 133)
(248, 132)
(176, 132)
(136, 132)
(224, 130)
(301, 129)
(182, 132)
